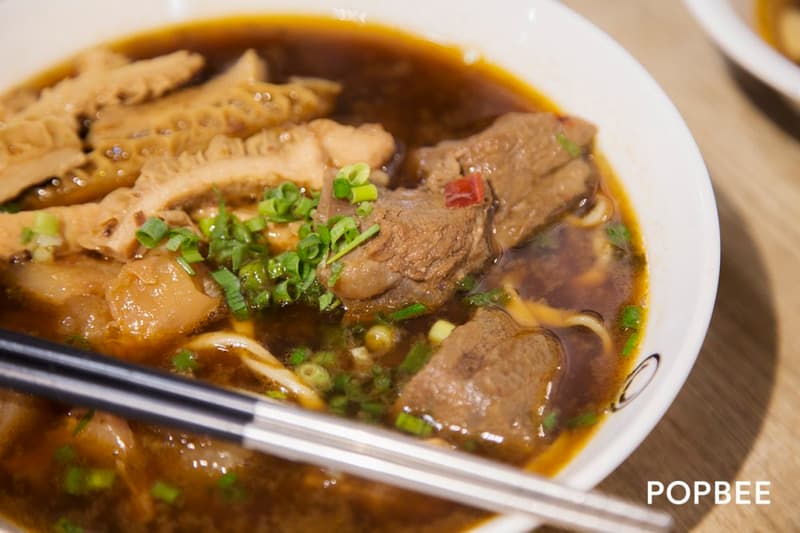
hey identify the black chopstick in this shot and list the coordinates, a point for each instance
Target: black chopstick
(71, 361)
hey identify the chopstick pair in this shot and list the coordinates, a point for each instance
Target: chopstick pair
(73, 376)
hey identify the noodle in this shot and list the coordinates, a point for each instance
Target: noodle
(260, 361)
(531, 314)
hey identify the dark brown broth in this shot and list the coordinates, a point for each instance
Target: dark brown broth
(421, 93)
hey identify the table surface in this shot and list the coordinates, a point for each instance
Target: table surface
(738, 416)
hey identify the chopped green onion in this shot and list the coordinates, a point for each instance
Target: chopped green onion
(65, 526)
(338, 405)
(302, 207)
(631, 317)
(233, 296)
(341, 188)
(228, 485)
(572, 149)
(315, 376)
(336, 271)
(355, 174)
(618, 235)
(185, 361)
(277, 394)
(100, 479)
(45, 223)
(27, 235)
(65, 454)
(364, 209)
(310, 249)
(466, 284)
(485, 299)
(83, 422)
(363, 193)
(299, 355)
(355, 243)
(325, 358)
(346, 227)
(416, 358)
(152, 232)
(382, 381)
(413, 424)
(409, 311)
(185, 265)
(328, 301)
(630, 344)
(74, 480)
(581, 421)
(78, 341)
(191, 254)
(375, 409)
(206, 226)
(164, 492)
(9, 207)
(550, 420)
(256, 224)
(440, 330)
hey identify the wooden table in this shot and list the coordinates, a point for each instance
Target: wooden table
(738, 416)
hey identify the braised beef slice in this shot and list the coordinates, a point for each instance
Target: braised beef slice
(489, 382)
(527, 159)
(422, 251)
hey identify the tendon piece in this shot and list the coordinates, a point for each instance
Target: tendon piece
(74, 222)
(54, 284)
(237, 169)
(154, 300)
(125, 138)
(128, 84)
(15, 101)
(32, 151)
(99, 59)
(143, 119)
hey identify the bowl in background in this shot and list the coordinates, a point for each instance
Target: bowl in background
(572, 62)
(731, 24)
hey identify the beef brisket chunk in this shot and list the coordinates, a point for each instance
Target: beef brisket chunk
(536, 163)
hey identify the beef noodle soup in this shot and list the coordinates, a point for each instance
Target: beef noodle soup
(333, 215)
(779, 24)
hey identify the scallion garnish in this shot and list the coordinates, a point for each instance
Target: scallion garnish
(152, 232)
(185, 361)
(341, 188)
(631, 317)
(355, 174)
(336, 270)
(83, 422)
(485, 299)
(466, 284)
(417, 356)
(233, 295)
(410, 311)
(364, 209)
(299, 355)
(9, 207)
(413, 424)
(618, 235)
(587, 419)
(549, 421)
(65, 526)
(164, 492)
(355, 243)
(630, 344)
(65, 454)
(363, 193)
(572, 149)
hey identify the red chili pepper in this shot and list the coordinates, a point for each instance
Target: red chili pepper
(465, 191)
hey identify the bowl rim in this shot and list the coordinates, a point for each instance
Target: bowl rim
(742, 44)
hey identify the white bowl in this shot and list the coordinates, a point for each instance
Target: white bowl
(582, 70)
(730, 23)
